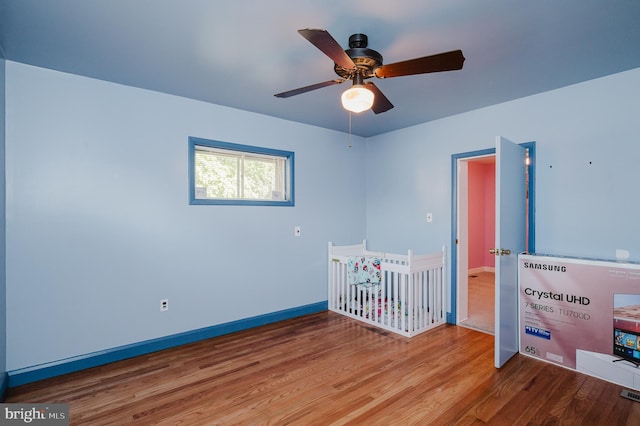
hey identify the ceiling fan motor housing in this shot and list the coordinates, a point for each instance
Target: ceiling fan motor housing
(366, 60)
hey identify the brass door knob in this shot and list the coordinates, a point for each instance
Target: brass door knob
(500, 252)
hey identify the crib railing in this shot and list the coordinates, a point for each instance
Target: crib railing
(409, 300)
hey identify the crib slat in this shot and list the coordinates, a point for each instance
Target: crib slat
(420, 301)
(396, 293)
(404, 298)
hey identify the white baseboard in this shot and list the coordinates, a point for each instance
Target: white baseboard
(482, 269)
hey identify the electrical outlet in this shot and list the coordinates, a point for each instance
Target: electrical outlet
(429, 217)
(164, 305)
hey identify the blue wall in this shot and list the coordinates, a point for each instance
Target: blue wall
(3, 280)
(587, 150)
(99, 226)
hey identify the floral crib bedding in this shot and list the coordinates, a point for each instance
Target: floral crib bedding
(364, 271)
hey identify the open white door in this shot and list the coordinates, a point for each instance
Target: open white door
(511, 231)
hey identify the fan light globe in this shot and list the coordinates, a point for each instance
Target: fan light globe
(357, 98)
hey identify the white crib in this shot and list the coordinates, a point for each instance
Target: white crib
(409, 300)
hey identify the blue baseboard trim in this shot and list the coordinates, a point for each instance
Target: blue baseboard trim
(450, 318)
(4, 385)
(69, 365)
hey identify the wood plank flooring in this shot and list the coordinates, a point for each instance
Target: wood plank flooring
(481, 297)
(326, 369)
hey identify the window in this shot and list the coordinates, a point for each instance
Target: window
(227, 173)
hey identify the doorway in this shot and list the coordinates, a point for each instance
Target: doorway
(476, 208)
(469, 278)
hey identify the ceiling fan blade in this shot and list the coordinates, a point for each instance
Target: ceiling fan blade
(447, 61)
(306, 89)
(380, 101)
(329, 46)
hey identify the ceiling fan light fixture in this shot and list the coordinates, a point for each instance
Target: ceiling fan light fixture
(357, 98)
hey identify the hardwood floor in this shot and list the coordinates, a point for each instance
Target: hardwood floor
(326, 369)
(481, 296)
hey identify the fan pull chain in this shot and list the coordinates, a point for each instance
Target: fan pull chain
(350, 129)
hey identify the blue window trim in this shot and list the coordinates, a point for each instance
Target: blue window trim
(193, 141)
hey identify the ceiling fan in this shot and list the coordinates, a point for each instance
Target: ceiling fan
(359, 63)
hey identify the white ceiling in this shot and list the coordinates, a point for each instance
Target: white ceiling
(239, 53)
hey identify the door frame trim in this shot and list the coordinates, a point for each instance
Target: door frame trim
(531, 146)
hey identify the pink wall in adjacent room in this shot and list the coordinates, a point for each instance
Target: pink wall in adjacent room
(482, 210)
